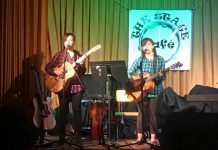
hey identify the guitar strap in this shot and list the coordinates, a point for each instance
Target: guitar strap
(154, 64)
(155, 60)
(76, 54)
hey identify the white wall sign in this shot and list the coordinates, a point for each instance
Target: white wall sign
(171, 31)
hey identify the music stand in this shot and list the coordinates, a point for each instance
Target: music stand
(117, 69)
(106, 72)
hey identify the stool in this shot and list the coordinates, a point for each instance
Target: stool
(121, 97)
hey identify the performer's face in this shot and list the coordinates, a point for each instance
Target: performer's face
(69, 42)
(148, 47)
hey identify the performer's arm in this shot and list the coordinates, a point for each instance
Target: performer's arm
(161, 75)
(133, 68)
(49, 68)
(80, 68)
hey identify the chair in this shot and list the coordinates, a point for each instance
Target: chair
(121, 97)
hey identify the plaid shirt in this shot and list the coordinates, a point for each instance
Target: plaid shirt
(59, 59)
(148, 68)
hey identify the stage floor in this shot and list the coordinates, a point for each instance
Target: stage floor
(50, 142)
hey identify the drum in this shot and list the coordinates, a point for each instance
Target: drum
(98, 110)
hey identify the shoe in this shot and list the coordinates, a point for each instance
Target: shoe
(138, 141)
(60, 143)
(155, 142)
(78, 142)
(79, 145)
(134, 142)
(101, 142)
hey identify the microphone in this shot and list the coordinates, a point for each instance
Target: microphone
(143, 54)
(68, 46)
(98, 68)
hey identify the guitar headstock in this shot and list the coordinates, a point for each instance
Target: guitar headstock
(97, 47)
(176, 65)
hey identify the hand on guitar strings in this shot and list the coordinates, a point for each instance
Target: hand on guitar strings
(161, 73)
(60, 73)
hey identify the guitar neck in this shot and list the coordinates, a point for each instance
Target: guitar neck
(156, 75)
(174, 66)
(79, 60)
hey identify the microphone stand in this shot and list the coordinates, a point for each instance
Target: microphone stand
(109, 97)
(142, 82)
(101, 140)
(63, 99)
(108, 93)
(63, 74)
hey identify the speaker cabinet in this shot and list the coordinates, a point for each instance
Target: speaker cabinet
(185, 130)
(15, 130)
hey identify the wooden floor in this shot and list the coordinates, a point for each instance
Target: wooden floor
(87, 143)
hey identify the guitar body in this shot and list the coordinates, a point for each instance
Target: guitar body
(57, 84)
(149, 84)
(43, 117)
(135, 95)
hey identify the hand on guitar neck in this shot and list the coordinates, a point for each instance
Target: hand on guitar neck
(146, 78)
(147, 83)
(65, 73)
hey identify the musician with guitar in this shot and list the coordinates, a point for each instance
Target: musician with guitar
(63, 73)
(141, 75)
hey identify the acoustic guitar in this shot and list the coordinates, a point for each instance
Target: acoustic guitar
(43, 117)
(56, 83)
(135, 95)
